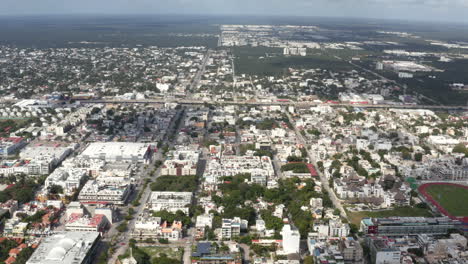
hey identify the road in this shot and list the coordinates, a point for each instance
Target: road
(124, 237)
(386, 79)
(336, 202)
(280, 103)
(199, 74)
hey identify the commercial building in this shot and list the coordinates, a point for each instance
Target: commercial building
(66, 247)
(404, 226)
(80, 222)
(207, 254)
(11, 145)
(43, 158)
(118, 152)
(351, 250)
(96, 191)
(382, 251)
(170, 201)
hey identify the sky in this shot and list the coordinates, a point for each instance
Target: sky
(427, 10)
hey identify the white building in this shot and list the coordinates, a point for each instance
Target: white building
(183, 162)
(291, 239)
(232, 227)
(80, 222)
(260, 168)
(118, 152)
(68, 179)
(170, 201)
(66, 247)
(97, 191)
(150, 227)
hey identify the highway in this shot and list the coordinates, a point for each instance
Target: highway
(281, 103)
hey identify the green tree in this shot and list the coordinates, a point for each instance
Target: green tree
(418, 156)
(55, 189)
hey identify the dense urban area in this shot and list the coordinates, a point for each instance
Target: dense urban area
(254, 144)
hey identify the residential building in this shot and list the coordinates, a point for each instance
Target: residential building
(150, 227)
(232, 227)
(291, 239)
(170, 201)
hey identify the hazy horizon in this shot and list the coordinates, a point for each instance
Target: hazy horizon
(409, 10)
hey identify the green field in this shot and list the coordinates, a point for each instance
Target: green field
(173, 253)
(355, 217)
(452, 198)
(264, 61)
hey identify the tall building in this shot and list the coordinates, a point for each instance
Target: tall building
(291, 239)
(232, 227)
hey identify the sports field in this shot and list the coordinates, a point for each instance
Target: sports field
(453, 198)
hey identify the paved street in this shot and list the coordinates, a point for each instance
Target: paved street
(124, 237)
(336, 202)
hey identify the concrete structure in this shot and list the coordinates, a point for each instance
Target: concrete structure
(68, 179)
(382, 252)
(149, 227)
(183, 162)
(203, 222)
(291, 239)
(118, 152)
(11, 145)
(79, 222)
(170, 201)
(232, 227)
(66, 247)
(96, 191)
(404, 226)
(260, 168)
(352, 251)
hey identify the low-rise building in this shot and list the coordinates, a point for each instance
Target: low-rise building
(170, 201)
(382, 251)
(96, 191)
(405, 226)
(80, 222)
(118, 152)
(150, 227)
(66, 247)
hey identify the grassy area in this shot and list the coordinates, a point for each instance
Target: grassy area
(355, 217)
(451, 198)
(173, 253)
(271, 61)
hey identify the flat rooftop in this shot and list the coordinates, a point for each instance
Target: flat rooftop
(64, 247)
